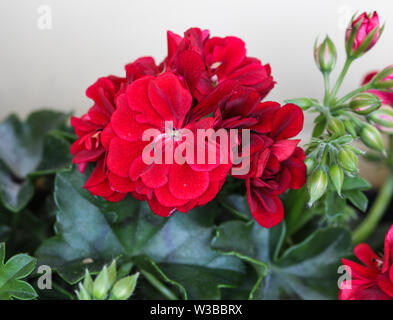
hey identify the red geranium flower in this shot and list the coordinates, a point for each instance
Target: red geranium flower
(203, 83)
(374, 280)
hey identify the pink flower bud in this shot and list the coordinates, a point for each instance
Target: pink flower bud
(362, 34)
(383, 119)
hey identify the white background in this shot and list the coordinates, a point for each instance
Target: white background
(93, 38)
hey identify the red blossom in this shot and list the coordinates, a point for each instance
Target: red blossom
(203, 83)
(374, 279)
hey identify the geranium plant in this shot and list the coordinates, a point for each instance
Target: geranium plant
(182, 181)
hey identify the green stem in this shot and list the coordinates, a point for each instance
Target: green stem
(159, 286)
(366, 228)
(340, 78)
(354, 92)
(327, 87)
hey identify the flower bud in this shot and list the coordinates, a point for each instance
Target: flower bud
(325, 55)
(101, 285)
(365, 103)
(383, 80)
(88, 282)
(362, 34)
(335, 127)
(347, 160)
(317, 184)
(82, 294)
(124, 288)
(383, 119)
(303, 103)
(371, 138)
(336, 174)
(310, 164)
(349, 127)
(112, 273)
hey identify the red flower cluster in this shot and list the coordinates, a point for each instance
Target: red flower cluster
(374, 280)
(203, 83)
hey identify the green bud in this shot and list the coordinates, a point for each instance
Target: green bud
(112, 273)
(88, 282)
(371, 137)
(365, 103)
(310, 164)
(82, 294)
(383, 80)
(335, 127)
(124, 288)
(349, 127)
(325, 55)
(101, 284)
(317, 184)
(303, 103)
(347, 160)
(336, 174)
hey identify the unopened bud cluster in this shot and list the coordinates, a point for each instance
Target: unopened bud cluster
(106, 286)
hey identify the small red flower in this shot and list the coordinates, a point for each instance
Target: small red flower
(374, 279)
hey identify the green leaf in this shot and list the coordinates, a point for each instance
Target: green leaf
(14, 193)
(355, 183)
(11, 273)
(358, 199)
(21, 151)
(175, 250)
(307, 270)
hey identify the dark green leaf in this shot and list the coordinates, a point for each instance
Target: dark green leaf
(307, 270)
(21, 150)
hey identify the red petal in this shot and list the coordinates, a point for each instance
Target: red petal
(185, 183)
(385, 284)
(120, 184)
(267, 210)
(97, 176)
(121, 154)
(166, 198)
(124, 124)
(388, 251)
(169, 98)
(283, 149)
(287, 122)
(366, 255)
(159, 209)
